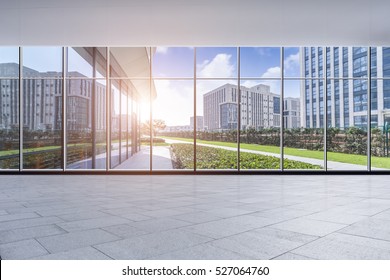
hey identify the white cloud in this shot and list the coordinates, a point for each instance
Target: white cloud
(220, 66)
(273, 72)
(292, 61)
(162, 50)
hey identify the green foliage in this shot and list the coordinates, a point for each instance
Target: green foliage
(216, 158)
(351, 140)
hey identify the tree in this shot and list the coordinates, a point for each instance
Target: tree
(157, 125)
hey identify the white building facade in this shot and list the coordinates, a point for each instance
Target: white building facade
(259, 108)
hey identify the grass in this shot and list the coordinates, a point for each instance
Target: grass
(379, 162)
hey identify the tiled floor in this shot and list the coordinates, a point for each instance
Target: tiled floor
(194, 217)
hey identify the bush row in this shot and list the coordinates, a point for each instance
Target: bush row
(216, 158)
(352, 140)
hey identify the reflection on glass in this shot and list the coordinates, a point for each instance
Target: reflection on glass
(213, 62)
(217, 104)
(260, 124)
(260, 62)
(173, 62)
(42, 124)
(123, 121)
(86, 124)
(9, 123)
(303, 142)
(130, 62)
(115, 123)
(89, 62)
(42, 62)
(130, 150)
(173, 127)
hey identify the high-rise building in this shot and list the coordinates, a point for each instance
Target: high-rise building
(291, 113)
(199, 123)
(346, 86)
(42, 106)
(259, 108)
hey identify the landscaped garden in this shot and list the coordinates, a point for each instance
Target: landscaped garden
(217, 158)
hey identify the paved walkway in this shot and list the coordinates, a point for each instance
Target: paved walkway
(141, 160)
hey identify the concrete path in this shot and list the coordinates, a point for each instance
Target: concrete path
(141, 160)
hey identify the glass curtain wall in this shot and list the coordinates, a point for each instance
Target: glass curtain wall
(260, 107)
(195, 109)
(218, 101)
(86, 108)
(9, 108)
(42, 107)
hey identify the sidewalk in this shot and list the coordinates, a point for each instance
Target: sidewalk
(141, 160)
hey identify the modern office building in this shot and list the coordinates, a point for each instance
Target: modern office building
(199, 122)
(259, 108)
(291, 113)
(42, 106)
(346, 86)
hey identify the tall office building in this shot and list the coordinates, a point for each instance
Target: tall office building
(346, 86)
(42, 96)
(291, 113)
(199, 123)
(259, 108)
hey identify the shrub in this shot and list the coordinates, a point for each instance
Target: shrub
(217, 158)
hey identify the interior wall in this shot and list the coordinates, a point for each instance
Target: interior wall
(197, 22)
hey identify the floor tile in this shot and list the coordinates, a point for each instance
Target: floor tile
(263, 243)
(74, 240)
(21, 250)
(308, 226)
(151, 245)
(338, 246)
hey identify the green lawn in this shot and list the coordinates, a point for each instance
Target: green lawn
(379, 162)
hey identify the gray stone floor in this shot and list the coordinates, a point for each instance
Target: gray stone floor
(194, 217)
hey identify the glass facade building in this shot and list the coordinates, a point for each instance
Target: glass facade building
(147, 109)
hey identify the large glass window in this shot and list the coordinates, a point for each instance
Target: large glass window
(135, 110)
(86, 108)
(42, 108)
(303, 142)
(9, 108)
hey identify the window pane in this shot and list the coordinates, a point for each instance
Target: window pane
(303, 141)
(42, 62)
(260, 124)
(130, 136)
(128, 62)
(88, 62)
(42, 123)
(216, 146)
(9, 124)
(9, 62)
(347, 124)
(173, 62)
(86, 124)
(292, 61)
(260, 62)
(173, 129)
(216, 62)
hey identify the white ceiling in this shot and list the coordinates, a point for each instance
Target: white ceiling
(197, 22)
